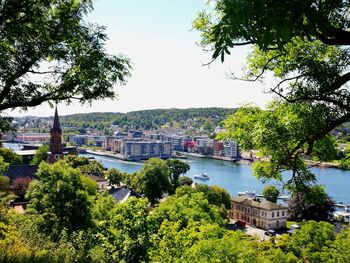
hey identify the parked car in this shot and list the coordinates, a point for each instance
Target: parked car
(270, 232)
(240, 223)
(292, 229)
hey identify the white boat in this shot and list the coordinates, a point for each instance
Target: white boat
(342, 216)
(202, 176)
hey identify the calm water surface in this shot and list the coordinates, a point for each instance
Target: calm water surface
(238, 177)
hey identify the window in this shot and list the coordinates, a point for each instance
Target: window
(282, 213)
(277, 223)
(278, 214)
(273, 214)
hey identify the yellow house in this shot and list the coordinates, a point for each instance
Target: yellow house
(258, 212)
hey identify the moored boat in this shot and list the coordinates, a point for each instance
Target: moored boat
(202, 176)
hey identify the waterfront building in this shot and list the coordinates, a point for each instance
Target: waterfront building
(157, 137)
(143, 150)
(258, 212)
(79, 140)
(177, 143)
(55, 152)
(230, 149)
(189, 145)
(205, 146)
(108, 143)
(97, 141)
(117, 145)
(218, 148)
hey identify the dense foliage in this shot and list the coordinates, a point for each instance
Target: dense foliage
(10, 157)
(312, 204)
(40, 155)
(20, 186)
(271, 193)
(153, 180)
(177, 168)
(281, 135)
(61, 197)
(50, 53)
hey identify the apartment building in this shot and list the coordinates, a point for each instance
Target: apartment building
(230, 149)
(143, 150)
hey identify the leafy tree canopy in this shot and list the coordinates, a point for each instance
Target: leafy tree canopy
(40, 155)
(61, 197)
(153, 179)
(283, 134)
(304, 45)
(114, 176)
(311, 204)
(20, 186)
(10, 157)
(270, 24)
(216, 195)
(85, 165)
(188, 209)
(271, 193)
(177, 168)
(50, 53)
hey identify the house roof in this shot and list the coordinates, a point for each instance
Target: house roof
(26, 152)
(121, 194)
(97, 178)
(21, 171)
(258, 203)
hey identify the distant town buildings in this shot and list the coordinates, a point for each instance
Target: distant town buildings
(78, 140)
(26, 137)
(258, 212)
(136, 145)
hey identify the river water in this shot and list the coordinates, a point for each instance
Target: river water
(236, 177)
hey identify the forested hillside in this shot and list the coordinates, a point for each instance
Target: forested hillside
(201, 119)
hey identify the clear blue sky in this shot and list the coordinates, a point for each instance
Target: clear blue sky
(168, 71)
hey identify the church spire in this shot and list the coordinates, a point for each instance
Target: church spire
(55, 152)
(56, 121)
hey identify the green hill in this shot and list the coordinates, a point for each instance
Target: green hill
(199, 119)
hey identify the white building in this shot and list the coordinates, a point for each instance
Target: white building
(230, 149)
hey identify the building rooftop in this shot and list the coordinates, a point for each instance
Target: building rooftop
(97, 178)
(21, 171)
(258, 203)
(122, 194)
(25, 152)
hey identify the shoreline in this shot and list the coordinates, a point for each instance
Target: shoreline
(217, 157)
(240, 160)
(214, 157)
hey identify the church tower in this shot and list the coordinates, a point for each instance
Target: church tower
(55, 152)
